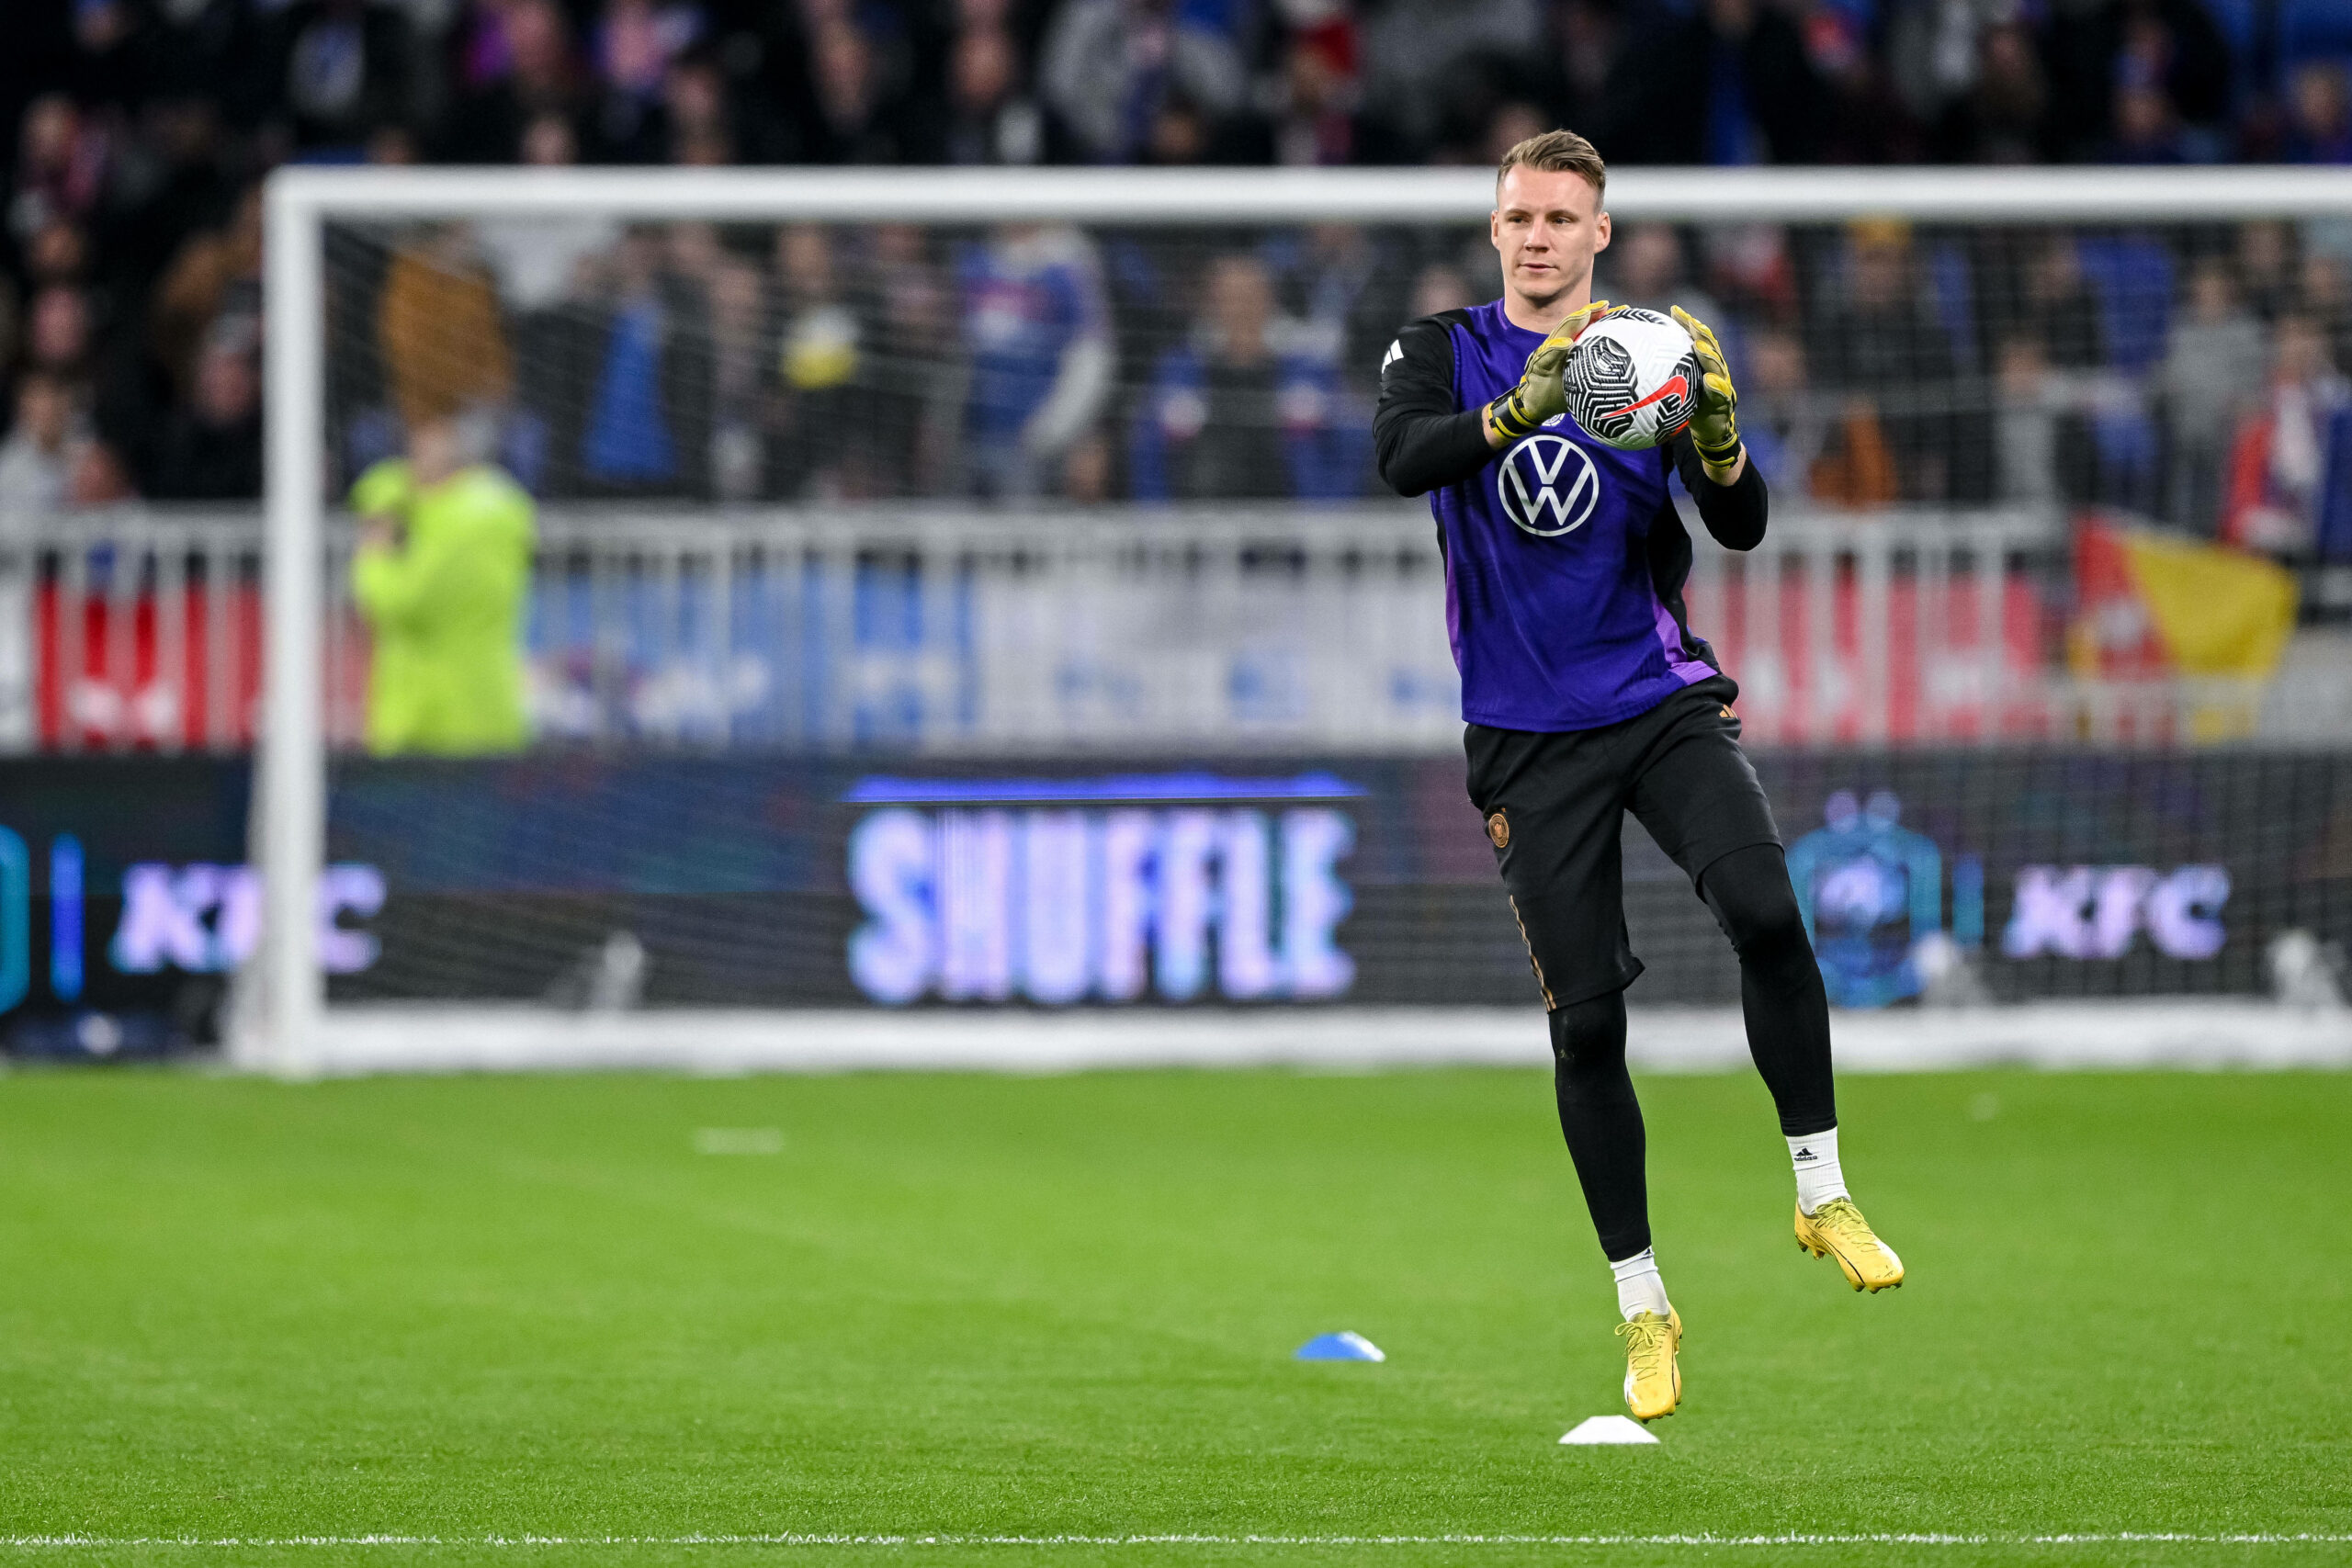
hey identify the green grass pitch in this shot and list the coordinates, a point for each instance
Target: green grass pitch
(978, 1307)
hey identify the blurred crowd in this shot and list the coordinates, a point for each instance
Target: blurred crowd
(2192, 373)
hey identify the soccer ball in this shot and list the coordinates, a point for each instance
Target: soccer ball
(1631, 379)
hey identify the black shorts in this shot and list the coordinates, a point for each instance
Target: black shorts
(1556, 804)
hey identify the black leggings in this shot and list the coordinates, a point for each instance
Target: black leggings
(1788, 1034)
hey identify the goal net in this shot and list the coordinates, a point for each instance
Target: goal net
(974, 589)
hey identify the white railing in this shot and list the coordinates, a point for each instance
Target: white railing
(950, 629)
(131, 628)
(947, 629)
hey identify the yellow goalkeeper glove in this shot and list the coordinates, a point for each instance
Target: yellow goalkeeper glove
(1714, 429)
(1539, 395)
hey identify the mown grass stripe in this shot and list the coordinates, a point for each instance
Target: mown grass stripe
(1885, 1537)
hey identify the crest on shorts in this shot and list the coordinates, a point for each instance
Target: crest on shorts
(1499, 829)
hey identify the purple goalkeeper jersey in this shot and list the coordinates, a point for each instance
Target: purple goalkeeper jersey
(1565, 557)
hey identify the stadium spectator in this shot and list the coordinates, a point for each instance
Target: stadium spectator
(1583, 68)
(2265, 270)
(101, 476)
(346, 66)
(1344, 289)
(2093, 53)
(36, 460)
(1037, 332)
(174, 183)
(739, 399)
(1934, 54)
(1512, 123)
(440, 576)
(2325, 288)
(632, 48)
(642, 353)
(2146, 129)
(2278, 465)
(393, 146)
(2211, 375)
(911, 419)
(1779, 416)
(1749, 67)
(2061, 311)
(1856, 467)
(1438, 287)
(1881, 346)
(1753, 267)
(1229, 417)
(63, 160)
(698, 123)
(992, 118)
(854, 113)
(1089, 475)
(2042, 442)
(518, 66)
(2320, 128)
(634, 41)
(1180, 134)
(1132, 78)
(211, 449)
(58, 332)
(819, 352)
(58, 252)
(1425, 58)
(2002, 117)
(438, 328)
(225, 52)
(1318, 98)
(217, 273)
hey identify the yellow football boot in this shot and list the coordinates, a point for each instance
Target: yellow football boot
(1837, 1230)
(1653, 1374)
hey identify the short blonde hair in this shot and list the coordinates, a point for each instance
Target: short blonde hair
(1557, 152)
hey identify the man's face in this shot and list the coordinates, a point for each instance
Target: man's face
(1240, 302)
(1548, 227)
(43, 413)
(984, 70)
(226, 387)
(435, 451)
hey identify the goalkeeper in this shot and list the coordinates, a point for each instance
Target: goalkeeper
(443, 567)
(1587, 695)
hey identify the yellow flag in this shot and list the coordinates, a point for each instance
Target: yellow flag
(2218, 610)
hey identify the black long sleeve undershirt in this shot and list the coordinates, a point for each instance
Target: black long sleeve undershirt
(1424, 442)
(1735, 513)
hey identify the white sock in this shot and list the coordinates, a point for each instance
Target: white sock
(1814, 1155)
(1639, 1289)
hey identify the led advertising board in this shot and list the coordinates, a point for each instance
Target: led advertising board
(1292, 882)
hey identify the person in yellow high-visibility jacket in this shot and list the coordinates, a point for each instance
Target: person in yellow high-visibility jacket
(441, 575)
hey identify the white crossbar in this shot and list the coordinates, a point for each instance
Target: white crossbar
(1295, 195)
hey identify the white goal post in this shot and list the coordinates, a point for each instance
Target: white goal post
(283, 1023)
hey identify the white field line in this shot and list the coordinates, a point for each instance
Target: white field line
(2203, 1032)
(2071, 1537)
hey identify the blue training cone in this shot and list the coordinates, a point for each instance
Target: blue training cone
(1345, 1346)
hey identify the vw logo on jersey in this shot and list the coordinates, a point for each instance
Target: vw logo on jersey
(1548, 485)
